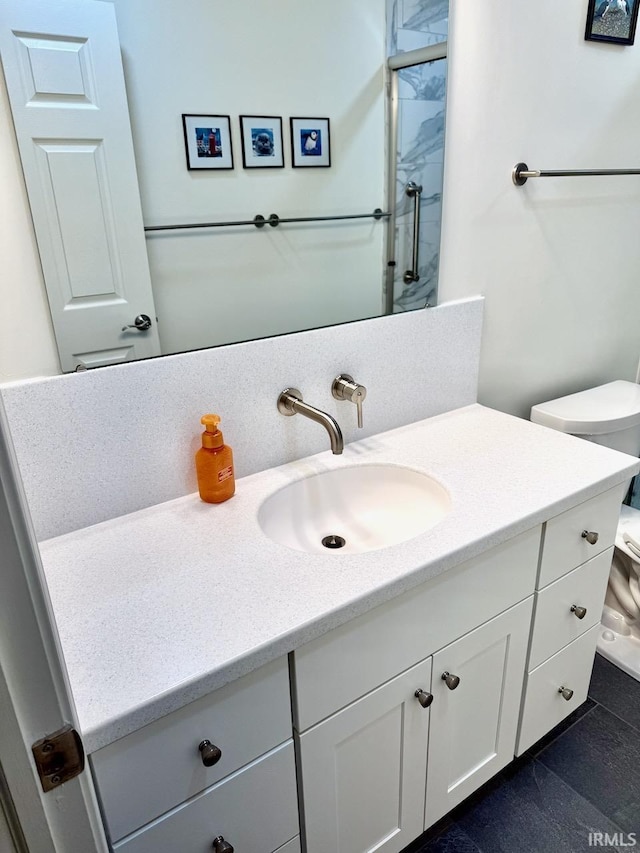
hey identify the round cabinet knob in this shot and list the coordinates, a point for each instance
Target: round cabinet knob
(210, 753)
(451, 681)
(424, 698)
(221, 846)
(580, 612)
(565, 693)
(591, 536)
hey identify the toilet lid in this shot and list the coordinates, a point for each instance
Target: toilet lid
(607, 408)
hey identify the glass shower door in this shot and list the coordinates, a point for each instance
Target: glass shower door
(417, 91)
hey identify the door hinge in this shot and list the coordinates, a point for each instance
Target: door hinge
(59, 757)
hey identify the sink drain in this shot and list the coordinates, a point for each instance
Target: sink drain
(334, 541)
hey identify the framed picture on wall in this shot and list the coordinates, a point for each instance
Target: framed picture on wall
(310, 143)
(207, 141)
(262, 142)
(612, 20)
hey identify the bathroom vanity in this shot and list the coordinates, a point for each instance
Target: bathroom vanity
(240, 686)
(238, 694)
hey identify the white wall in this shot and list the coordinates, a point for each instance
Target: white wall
(559, 259)
(27, 346)
(277, 59)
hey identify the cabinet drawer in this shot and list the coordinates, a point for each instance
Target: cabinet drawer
(544, 707)
(150, 771)
(556, 624)
(255, 810)
(564, 546)
(346, 663)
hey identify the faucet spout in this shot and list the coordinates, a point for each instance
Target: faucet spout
(320, 417)
(290, 402)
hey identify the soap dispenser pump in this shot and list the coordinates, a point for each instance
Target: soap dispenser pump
(214, 464)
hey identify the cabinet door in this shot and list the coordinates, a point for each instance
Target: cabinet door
(363, 770)
(473, 725)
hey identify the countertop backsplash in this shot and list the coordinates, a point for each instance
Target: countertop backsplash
(99, 444)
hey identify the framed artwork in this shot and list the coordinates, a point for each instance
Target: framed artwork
(207, 141)
(262, 142)
(310, 143)
(612, 20)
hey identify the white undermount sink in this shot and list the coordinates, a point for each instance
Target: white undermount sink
(354, 509)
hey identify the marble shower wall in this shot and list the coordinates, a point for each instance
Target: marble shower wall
(421, 112)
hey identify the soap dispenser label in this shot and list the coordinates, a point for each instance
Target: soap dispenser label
(225, 473)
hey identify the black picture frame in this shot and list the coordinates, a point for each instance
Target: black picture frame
(262, 142)
(214, 152)
(316, 156)
(612, 21)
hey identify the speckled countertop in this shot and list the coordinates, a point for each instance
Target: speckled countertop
(159, 607)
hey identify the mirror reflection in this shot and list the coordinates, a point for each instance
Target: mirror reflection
(108, 158)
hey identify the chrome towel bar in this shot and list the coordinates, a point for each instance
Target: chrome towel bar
(521, 173)
(274, 220)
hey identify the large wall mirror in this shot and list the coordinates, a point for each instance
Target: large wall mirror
(340, 260)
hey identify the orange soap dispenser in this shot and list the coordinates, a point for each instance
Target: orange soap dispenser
(214, 464)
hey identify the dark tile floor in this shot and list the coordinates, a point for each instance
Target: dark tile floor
(582, 778)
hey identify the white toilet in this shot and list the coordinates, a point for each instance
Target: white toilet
(610, 415)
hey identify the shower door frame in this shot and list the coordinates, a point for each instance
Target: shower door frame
(421, 56)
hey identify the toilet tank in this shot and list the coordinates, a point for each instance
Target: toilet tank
(607, 415)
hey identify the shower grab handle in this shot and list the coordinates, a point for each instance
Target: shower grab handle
(414, 191)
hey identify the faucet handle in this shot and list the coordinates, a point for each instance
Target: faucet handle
(346, 388)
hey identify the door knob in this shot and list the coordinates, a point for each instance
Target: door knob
(424, 698)
(141, 323)
(591, 536)
(565, 693)
(221, 846)
(580, 612)
(451, 681)
(210, 753)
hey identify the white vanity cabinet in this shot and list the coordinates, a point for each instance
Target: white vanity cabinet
(157, 792)
(378, 771)
(572, 581)
(371, 733)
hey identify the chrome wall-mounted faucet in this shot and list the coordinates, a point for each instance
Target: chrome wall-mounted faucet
(290, 402)
(346, 388)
